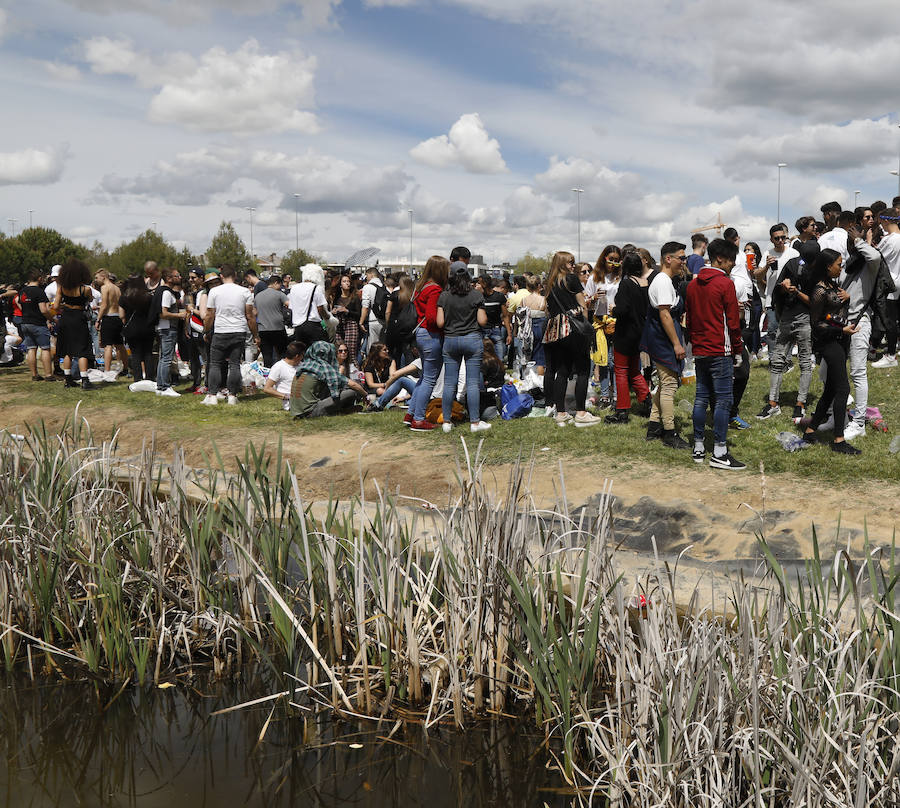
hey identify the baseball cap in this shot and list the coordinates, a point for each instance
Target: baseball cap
(54, 270)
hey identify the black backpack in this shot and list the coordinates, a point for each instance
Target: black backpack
(401, 327)
(379, 304)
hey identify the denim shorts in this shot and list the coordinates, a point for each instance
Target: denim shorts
(35, 336)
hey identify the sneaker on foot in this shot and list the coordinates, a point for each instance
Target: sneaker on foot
(446, 427)
(210, 401)
(854, 430)
(654, 431)
(726, 461)
(221, 395)
(699, 455)
(479, 426)
(232, 400)
(620, 417)
(407, 419)
(738, 423)
(563, 419)
(768, 412)
(586, 419)
(421, 426)
(842, 447)
(37, 378)
(169, 393)
(86, 384)
(886, 361)
(673, 440)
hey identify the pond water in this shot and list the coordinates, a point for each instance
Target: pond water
(72, 744)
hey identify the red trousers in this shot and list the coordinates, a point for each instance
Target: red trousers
(628, 372)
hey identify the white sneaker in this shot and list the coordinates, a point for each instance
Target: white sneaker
(479, 426)
(210, 401)
(587, 420)
(886, 361)
(447, 427)
(563, 419)
(854, 430)
(232, 400)
(169, 393)
(221, 395)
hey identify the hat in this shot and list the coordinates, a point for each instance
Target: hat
(54, 270)
(459, 268)
(212, 274)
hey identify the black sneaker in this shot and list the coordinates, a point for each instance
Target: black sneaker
(844, 447)
(654, 431)
(86, 385)
(798, 414)
(70, 382)
(726, 461)
(699, 455)
(673, 440)
(768, 411)
(620, 417)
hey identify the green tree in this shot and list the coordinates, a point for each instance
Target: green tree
(35, 248)
(227, 248)
(535, 264)
(129, 257)
(293, 260)
(98, 257)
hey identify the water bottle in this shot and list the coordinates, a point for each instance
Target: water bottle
(791, 442)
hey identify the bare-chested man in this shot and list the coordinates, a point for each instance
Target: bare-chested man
(152, 275)
(112, 320)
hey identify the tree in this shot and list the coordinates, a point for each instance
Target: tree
(535, 264)
(227, 248)
(35, 248)
(129, 257)
(293, 260)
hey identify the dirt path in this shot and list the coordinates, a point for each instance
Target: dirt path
(717, 514)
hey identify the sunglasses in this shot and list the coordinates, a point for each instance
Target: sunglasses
(342, 350)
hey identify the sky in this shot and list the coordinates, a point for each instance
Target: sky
(334, 118)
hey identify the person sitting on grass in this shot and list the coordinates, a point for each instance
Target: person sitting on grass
(378, 367)
(400, 379)
(319, 389)
(283, 372)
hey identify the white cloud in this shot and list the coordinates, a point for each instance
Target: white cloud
(33, 166)
(815, 147)
(62, 72)
(247, 91)
(467, 144)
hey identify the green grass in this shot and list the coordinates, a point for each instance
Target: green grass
(617, 448)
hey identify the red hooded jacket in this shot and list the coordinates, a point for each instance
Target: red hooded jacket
(712, 315)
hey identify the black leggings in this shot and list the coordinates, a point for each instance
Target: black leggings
(566, 357)
(837, 387)
(142, 353)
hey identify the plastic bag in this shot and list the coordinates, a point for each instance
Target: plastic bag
(514, 404)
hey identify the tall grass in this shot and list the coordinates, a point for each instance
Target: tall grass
(786, 694)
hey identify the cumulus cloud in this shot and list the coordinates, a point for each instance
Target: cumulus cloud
(467, 144)
(815, 147)
(245, 92)
(326, 184)
(33, 166)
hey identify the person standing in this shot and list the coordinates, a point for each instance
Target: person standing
(35, 333)
(374, 306)
(713, 325)
(663, 341)
(73, 296)
(767, 273)
(697, 259)
(171, 320)
(499, 328)
(112, 322)
(271, 305)
(889, 247)
(229, 313)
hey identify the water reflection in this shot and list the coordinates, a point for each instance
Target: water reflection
(75, 745)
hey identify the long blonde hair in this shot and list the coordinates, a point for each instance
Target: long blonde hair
(559, 268)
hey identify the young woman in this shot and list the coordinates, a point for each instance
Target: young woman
(344, 360)
(73, 337)
(378, 367)
(631, 311)
(461, 316)
(567, 352)
(750, 320)
(831, 340)
(346, 306)
(429, 338)
(601, 290)
(135, 302)
(400, 346)
(534, 305)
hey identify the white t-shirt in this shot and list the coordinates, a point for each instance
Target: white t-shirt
(772, 275)
(889, 246)
(50, 290)
(230, 301)
(835, 240)
(168, 300)
(368, 296)
(96, 299)
(298, 302)
(282, 376)
(662, 291)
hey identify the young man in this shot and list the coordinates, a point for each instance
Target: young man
(112, 320)
(282, 374)
(662, 340)
(889, 247)
(171, 321)
(697, 259)
(767, 273)
(229, 313)
(830, 212)
(35, 333)
(714, 329)
(271, 304)
(374, 305)
(806, 230)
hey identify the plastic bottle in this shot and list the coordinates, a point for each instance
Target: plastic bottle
(791, 442)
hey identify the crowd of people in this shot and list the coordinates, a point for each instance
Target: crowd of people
(622, 334)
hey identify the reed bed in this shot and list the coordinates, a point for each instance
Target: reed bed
(138, 568)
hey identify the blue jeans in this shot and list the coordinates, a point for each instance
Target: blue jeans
(467, 348)
(403, 383)
(430, 348)
(496, 334)
(167, 340)
(715, 374)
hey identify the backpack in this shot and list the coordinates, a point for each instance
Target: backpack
(401, 327)
(155, 309)
(379, 304)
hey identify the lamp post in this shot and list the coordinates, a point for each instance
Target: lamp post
(896, 173)
(898, 169)
(578, 192)
(856, 198)
(410, 212)
(297, 220)
(251, 231)
(778, 215)
(12, 224)
(30, 218)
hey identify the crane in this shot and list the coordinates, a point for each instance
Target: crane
(718, 226)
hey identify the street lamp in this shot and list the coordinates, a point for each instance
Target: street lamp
(780, 166)
(856, 198)
(297, 220)
(410, 212)
(12, 224)
(30, 218)
(578, 192)
(251, 231)
(896, 173)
